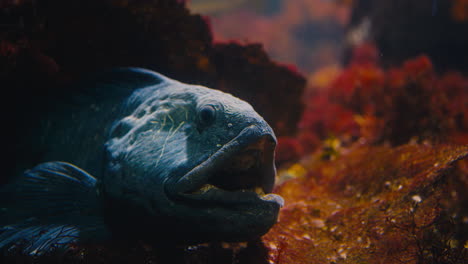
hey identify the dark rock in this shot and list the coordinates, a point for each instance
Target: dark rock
(404, 29)
(47, 44)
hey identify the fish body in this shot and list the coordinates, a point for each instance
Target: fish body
(150, 159)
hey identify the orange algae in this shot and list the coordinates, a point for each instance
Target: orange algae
(374, 205)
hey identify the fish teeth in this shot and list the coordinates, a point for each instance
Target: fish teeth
(259, 191)
(204, 189)
(274, 198)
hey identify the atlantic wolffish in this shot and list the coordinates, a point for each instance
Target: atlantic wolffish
(151, 158)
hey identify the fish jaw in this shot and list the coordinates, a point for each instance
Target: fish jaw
(233, 183)
(251, 152)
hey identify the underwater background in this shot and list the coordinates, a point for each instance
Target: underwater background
(369, 100)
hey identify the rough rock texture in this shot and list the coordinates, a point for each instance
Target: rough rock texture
(382, 183)
(368, 204)
(375, 205)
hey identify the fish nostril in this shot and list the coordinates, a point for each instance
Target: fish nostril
(140, 113)
(270, 142)
(121, 129)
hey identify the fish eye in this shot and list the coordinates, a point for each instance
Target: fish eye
(207, 114)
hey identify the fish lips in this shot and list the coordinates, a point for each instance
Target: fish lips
(241, 172)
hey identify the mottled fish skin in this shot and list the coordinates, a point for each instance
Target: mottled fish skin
(173, 161)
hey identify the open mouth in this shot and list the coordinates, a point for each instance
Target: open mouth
(242, 171)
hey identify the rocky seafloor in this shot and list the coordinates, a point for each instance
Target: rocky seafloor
(372, 160)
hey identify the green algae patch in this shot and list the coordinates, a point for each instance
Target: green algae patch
(375, 205)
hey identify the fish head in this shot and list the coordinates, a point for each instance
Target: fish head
(197, 161)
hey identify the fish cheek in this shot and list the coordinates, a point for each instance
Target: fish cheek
(138, 165)
(124, 170)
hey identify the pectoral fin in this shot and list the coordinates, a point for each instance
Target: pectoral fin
(49, 207)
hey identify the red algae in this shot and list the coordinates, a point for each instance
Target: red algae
(397, 105)
(386, 176)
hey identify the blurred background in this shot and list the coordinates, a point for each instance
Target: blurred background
(313, 34)
(306, 33)
(376, 71)
(369, 100)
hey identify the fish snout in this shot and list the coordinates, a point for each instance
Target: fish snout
(242, 171)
